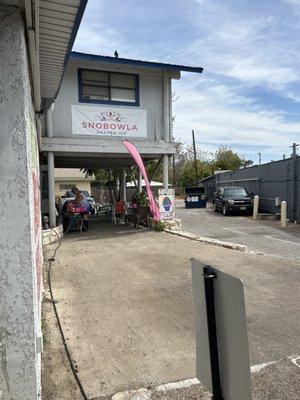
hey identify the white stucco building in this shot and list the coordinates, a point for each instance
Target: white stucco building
(67, 178)
(102, 101)
(64, 110)
(35, 41)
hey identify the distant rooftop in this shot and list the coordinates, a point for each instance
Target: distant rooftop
(74, 55)
(70, 174)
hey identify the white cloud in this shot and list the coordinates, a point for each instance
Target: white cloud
(244, 47)
(252, 48)
(222, 115)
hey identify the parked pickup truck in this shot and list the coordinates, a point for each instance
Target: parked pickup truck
(233, 198)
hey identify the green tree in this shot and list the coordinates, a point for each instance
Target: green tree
(187, 175)
(101, 175)
(226, 159)
(154, 170)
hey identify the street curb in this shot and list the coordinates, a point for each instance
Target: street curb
(213, 242)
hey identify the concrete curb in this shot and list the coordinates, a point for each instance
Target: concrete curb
(213, 242)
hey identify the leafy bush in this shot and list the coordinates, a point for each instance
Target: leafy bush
(160, 226)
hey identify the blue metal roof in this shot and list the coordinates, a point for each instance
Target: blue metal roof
(74, 55)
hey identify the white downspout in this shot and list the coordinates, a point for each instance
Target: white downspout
(51, 189)
(51, 166)
(49, 121)
(33, 32)
(167, 120)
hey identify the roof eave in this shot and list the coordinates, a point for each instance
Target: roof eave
(74, 55)
(47, 100)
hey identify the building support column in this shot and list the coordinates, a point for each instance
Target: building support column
(166, 171)
(140, 176)
(166, 106)
(124, 185)
(51, 190)
(166, 126)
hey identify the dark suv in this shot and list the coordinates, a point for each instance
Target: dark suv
(229, 199)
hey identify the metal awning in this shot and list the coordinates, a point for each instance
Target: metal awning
(58, 24)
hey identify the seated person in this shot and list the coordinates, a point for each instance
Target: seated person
(80, 199)
(80, 202)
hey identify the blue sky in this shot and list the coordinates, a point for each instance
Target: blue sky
(248, 96)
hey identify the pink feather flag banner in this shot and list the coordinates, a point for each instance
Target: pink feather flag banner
(139, 162)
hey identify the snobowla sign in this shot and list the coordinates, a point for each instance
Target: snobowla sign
(108, 121)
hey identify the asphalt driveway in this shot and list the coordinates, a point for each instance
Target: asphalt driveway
(262, 237)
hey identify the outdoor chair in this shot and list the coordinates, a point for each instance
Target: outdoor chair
(75, 218)
(118, 211)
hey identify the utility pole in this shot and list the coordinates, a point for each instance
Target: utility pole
(195, 158)
(294, 178)
(259, 158)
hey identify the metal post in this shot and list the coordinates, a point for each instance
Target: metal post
(283, 211)
(255, 207)
(209, 276)
(140, 176)
(124, 184)
(195, 158)
(174, 172)
(259, 158)
(166, 172)
(294, 177)
(51, 190)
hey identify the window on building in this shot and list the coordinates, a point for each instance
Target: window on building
(108, 87)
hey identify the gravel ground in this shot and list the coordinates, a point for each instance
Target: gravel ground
(125, 302)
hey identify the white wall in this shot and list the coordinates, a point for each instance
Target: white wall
(20, 244)
(151, 98)
(81, 185)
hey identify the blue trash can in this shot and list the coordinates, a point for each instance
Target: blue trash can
(195, 197)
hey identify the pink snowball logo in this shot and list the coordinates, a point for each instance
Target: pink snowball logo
(167, 203)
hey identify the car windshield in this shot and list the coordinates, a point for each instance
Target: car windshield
(235, 191)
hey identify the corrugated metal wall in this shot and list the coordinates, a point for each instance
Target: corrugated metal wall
(269, 181)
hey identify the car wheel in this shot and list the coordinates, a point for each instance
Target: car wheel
(224, 210)
(215, 207)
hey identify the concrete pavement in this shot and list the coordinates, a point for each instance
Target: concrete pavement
(262, 237)
(125, 302)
